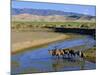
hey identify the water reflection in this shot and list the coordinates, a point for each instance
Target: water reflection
(59, 64)
(50, 64)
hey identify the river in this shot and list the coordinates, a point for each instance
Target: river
(38, 59)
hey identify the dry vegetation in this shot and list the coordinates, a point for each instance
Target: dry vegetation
(90, 54)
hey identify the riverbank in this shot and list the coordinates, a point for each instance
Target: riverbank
(90, 54)
(22, 41)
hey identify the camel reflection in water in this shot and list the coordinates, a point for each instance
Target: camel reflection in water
(60, 63)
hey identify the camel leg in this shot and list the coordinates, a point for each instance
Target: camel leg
(68, 55)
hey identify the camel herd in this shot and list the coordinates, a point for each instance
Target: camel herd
(66, 53)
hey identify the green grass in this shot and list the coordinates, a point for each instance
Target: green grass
(23, 24)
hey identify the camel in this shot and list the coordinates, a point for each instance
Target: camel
(63, 53)
(56, 52)
(80, 53)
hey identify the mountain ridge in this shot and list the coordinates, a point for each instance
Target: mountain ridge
(43, 14)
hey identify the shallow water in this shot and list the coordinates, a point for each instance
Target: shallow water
(39, 60)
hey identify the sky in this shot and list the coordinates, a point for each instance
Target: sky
(83, 9)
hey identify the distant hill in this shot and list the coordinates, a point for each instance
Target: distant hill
(27, 14)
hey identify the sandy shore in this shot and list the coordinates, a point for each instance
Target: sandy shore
(24, 40)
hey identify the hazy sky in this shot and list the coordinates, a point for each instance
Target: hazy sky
(84, 9)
